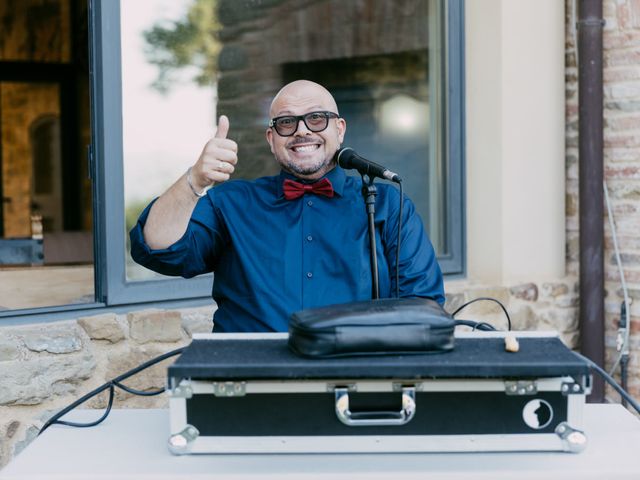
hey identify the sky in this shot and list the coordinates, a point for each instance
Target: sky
(163, 134)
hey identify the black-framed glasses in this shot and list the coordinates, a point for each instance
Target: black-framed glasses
(287, 125)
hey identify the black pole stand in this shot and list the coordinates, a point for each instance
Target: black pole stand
(369, 192)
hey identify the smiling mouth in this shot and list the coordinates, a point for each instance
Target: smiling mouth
(305, 148)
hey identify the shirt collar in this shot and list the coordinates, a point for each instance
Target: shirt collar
(336, 176)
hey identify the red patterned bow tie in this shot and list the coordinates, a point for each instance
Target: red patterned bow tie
(293, 190)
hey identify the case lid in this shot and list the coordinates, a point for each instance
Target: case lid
(262, 359)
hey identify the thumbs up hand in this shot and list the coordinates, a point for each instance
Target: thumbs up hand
(217, 160)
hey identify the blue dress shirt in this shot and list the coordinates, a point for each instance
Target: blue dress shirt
(273, 256)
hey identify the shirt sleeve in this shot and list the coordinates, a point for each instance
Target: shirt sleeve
(191, 255)
(420, 274)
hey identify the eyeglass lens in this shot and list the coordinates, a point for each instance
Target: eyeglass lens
(315, 121)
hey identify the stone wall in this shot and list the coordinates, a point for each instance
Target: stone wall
(46, 367)
(546, 305)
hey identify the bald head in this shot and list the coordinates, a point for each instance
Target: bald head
(301, 92)
(306, 153)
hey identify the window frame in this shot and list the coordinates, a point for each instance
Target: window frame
(453, 263)
(105, 156)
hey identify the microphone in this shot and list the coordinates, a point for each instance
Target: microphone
(348, 159)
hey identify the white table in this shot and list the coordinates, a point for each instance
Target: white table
(132, 444)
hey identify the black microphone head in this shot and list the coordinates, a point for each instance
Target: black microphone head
(344, 157)
(348, 159)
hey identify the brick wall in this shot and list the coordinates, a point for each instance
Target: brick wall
(622, 169)
(621, 164)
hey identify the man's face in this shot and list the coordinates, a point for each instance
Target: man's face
(306, 154)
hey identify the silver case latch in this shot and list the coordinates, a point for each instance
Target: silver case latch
(229, 389)
(182, 390)
(521, 387)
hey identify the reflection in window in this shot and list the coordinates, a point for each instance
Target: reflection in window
(46, 192)
(167, 117)
(35, 30)
(402, 116)
(46, 244)
(382, 61)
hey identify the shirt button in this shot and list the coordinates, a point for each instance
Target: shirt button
(309, 238)
(309, 274)
(310, 203)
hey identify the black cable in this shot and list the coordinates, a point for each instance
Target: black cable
(611, 382)
(116, 382)
(73, 405)
(624, 353)
(142, 393)
(148, 364)
(91, 424)
(486, 298)
(399, 240)
(624, 363)
(484, 326)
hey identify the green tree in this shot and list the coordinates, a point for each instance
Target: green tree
(188, 42)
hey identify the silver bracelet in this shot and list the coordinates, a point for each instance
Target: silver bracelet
(202, 193)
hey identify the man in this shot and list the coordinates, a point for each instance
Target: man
(284, 243)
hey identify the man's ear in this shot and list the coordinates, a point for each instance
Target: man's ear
(269, 136)
(342, 129)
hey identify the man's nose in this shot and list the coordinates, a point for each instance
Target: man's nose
(302, 128)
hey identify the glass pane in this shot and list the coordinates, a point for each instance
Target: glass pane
(46, 240)
(382, 60)
(166, 121)
(35, 30)
(46, 244)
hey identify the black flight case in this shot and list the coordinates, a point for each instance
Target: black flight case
(248, 393)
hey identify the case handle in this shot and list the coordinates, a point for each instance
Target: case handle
(371, 419)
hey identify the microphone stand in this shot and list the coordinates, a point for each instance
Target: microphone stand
(369, 192)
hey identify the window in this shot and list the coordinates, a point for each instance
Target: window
(162, 72)
(46, 241)
(385, 63)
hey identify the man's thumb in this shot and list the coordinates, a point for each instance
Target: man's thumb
(223, 127)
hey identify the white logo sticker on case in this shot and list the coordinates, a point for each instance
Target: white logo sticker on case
(537, 413)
